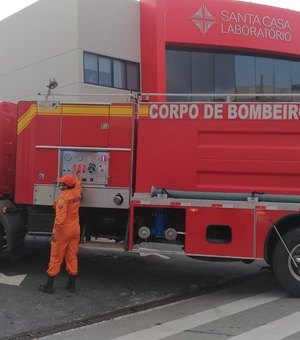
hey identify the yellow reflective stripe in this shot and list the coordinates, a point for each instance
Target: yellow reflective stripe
(74, 110)
(26, 118)
(143, 112)
(121, 111)
(85, 110)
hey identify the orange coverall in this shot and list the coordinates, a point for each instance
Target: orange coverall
(66, 231)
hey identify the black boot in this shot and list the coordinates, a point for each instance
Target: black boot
(48, 287)
(71, 284)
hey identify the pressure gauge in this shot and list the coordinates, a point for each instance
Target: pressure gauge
(67, 157)
(79, 158)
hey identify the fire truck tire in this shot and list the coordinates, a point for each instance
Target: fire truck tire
(1, 238)
(285, 268)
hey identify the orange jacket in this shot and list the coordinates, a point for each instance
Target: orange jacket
(67, 207)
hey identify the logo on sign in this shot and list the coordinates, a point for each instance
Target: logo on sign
(245, 24)
(203, 19)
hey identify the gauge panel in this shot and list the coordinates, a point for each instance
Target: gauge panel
(92, 167)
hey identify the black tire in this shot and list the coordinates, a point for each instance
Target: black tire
(285, 270)
(1, 239)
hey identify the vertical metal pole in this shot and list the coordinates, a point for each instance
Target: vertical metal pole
(130, 225)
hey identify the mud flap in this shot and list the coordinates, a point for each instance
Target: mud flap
(14, 228)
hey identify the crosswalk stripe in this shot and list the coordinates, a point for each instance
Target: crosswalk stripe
(201, 318)
(275, 330)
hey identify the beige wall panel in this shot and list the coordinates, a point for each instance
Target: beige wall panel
(110, 27)
(47, 40)
(27, 82)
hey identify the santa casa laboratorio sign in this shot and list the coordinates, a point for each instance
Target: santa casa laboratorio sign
(243, 24)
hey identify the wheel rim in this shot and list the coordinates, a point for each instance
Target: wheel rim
(294, 270)
(144, 233)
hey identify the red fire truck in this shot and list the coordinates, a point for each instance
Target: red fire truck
(213, 180)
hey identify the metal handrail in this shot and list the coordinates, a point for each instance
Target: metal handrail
(176, 94)
(223, 94)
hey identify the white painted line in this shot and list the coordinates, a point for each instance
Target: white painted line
(275, 330)
(15, 280)
(154, 254)
(201, 318)
(163, 256)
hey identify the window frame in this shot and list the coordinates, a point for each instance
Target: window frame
(256, 57)
(124, 67)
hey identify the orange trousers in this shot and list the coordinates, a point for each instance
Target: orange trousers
(64, 246)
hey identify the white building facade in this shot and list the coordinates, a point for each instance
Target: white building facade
(68, 40)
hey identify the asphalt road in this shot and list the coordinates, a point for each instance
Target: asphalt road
(254, 309)
(109, 284)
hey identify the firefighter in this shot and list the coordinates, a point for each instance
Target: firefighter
(65, 233)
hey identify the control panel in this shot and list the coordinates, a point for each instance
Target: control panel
(92, 167)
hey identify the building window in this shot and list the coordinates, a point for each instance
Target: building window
(91, 69)
(179, 73)
(193, 71)
(111, 72)
(119, 74)
(202, 64)
(133, 76)
(105, 72)
(264, 77)
(224, 70)
(295, 78)
(244, 76)
(282, 77)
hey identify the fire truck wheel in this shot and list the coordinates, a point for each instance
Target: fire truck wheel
(1, 238)
(286, 266)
